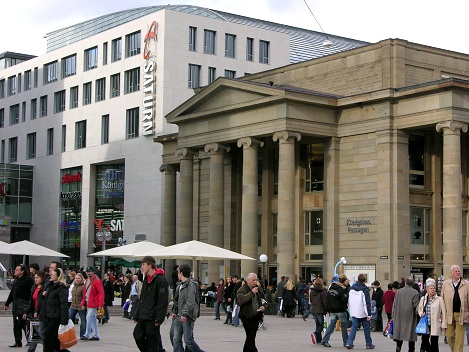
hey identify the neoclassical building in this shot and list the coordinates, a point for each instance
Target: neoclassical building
(360, 154)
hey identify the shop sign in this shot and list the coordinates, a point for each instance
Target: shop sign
(360, 267)
(358, 225)
(70, 195)
(68, 178)
(149, 80)
(383, 257)
(113, 183)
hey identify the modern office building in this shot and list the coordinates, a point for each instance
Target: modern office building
(84, 115)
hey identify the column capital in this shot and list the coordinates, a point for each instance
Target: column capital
(451, 126)
(216, 148)
(185, 153)
(168, 169)
(286, 137)
(248, 142)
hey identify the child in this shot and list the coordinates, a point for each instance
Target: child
(374, 314)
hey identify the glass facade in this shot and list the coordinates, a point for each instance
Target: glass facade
(16, 192)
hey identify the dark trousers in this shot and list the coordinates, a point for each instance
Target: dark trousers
(51, 335)
(135, 302)
(250, 327)
(399, 345)
(147, 335)
(19, 325)
(430, 343)
(379, 322)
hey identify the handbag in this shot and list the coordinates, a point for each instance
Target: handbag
(422, 326)
(67, 335)
(99, 313)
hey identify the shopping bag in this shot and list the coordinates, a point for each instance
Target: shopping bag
(422, 326)
(386, 329)
(99, 313)
(67, 336)
(126, 304)
(391, 328)
(235, 311)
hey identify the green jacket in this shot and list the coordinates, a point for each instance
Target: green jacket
(244, 299)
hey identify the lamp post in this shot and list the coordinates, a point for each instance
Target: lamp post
(263, 258)
(342, 260)
(103, 236)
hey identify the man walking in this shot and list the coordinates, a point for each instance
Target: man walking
(185, 311)
(377, 296)
(135, 291)
(455, 293)
(337, 299)
(151, 309)
(249, 298)
(359, 304)
(93, 297)
(280, 289)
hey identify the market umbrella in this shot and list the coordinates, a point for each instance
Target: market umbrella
(120, 262)
(130, 250)
(25, 248)
(134, 264)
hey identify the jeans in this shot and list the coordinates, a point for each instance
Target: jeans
(319, 320)
(366, 329)
(91, 323)
(217, 309)
(186, 329)
(342, 316)
(72, 313)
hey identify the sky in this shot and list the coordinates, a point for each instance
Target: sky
(26, 22)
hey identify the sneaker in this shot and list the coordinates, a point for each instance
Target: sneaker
(349, 347)
(370, 347)
(325, 344)
(313, 340)
(304, 318)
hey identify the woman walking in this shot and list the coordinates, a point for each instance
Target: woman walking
(318, 298)
(75, 307)
(432, 306)
(108, 297)
(289, 299)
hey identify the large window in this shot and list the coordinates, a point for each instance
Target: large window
(249, 49)
(100, 88)
(27, 80)
(51, 72)
(420, 225)
(91, 58)
(50, 141)
(59, 101)
(105, 129)
(115, 85)
(132, 44)
(212, 74)
(14, 114)
(69, 65)
(209, 41)
(33, 109)
(80, 134)
(31, 145)
(192, 38)
(264, 51)
(116, 49)
(87, 93)
(132, 80)
(23, 111)
(43, 106)
(314, 176)
(11, 85)
(13, 149)
(230, 44)
(313, 228)
(64, 138)
(2, 118)
(416, 161)
(194, 76)
(131, 126)
(73, 97)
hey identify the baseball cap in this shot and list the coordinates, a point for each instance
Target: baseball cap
(90, 269)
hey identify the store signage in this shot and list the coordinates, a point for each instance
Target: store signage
(356, 225)
(400, 257)
(68, 178)
(114, 225)
(383, 257)
(360, 267)
(113, 183)
(149, 80)
(70, 226)
(70, 195)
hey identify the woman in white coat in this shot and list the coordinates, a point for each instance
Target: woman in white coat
(433, 307)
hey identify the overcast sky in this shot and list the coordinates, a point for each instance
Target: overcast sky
(440, 24)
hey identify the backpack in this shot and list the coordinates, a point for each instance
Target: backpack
(333, 300)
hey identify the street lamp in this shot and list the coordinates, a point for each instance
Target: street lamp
(103, 236)
(342, 260)
(263, 258)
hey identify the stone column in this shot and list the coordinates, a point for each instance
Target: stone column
(452, 191)
(168, 233)
(286, 203)
(216, 205)
(249, 215)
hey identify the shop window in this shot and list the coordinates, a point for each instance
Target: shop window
(314, 228)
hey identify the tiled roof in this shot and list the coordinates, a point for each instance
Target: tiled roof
(304, 44)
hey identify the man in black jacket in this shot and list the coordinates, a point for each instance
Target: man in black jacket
(20, 296)
(378, 297)
(152, 307)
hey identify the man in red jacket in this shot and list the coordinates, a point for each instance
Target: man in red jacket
(93, 297)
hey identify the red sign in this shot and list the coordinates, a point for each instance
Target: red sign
(67, 178)
(151, 34)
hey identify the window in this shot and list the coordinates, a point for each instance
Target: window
(249, 49)
(230, 74)
(33, 109)
(417, 161)
(274, 229)
(19, 83)
(91, 58)
(131, 126)
(2, 89)
(264, 51)
(87, 93)
(116, 50)
(100, 88)
(43, 106)
(212, 74)
(73, 97)
(64, 138)
(115, 85)
(2, 118)
(50, 141)
(314, 177)
(275, 163)
(194, 76)
(313, 228)
(192, 38)
(50, 72)
(11, 85)
(230, 44)
(69, 66)
(209, 42)
(31, 145)
(132, 80)
(27, 80)
(23, 111)
(105, 129)
(80, 134)
(2, 152)
(36, 76)
(420, 225)
(104, 53)
(132, 44)
(59, 101)
(14, 114)
(13, 149)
